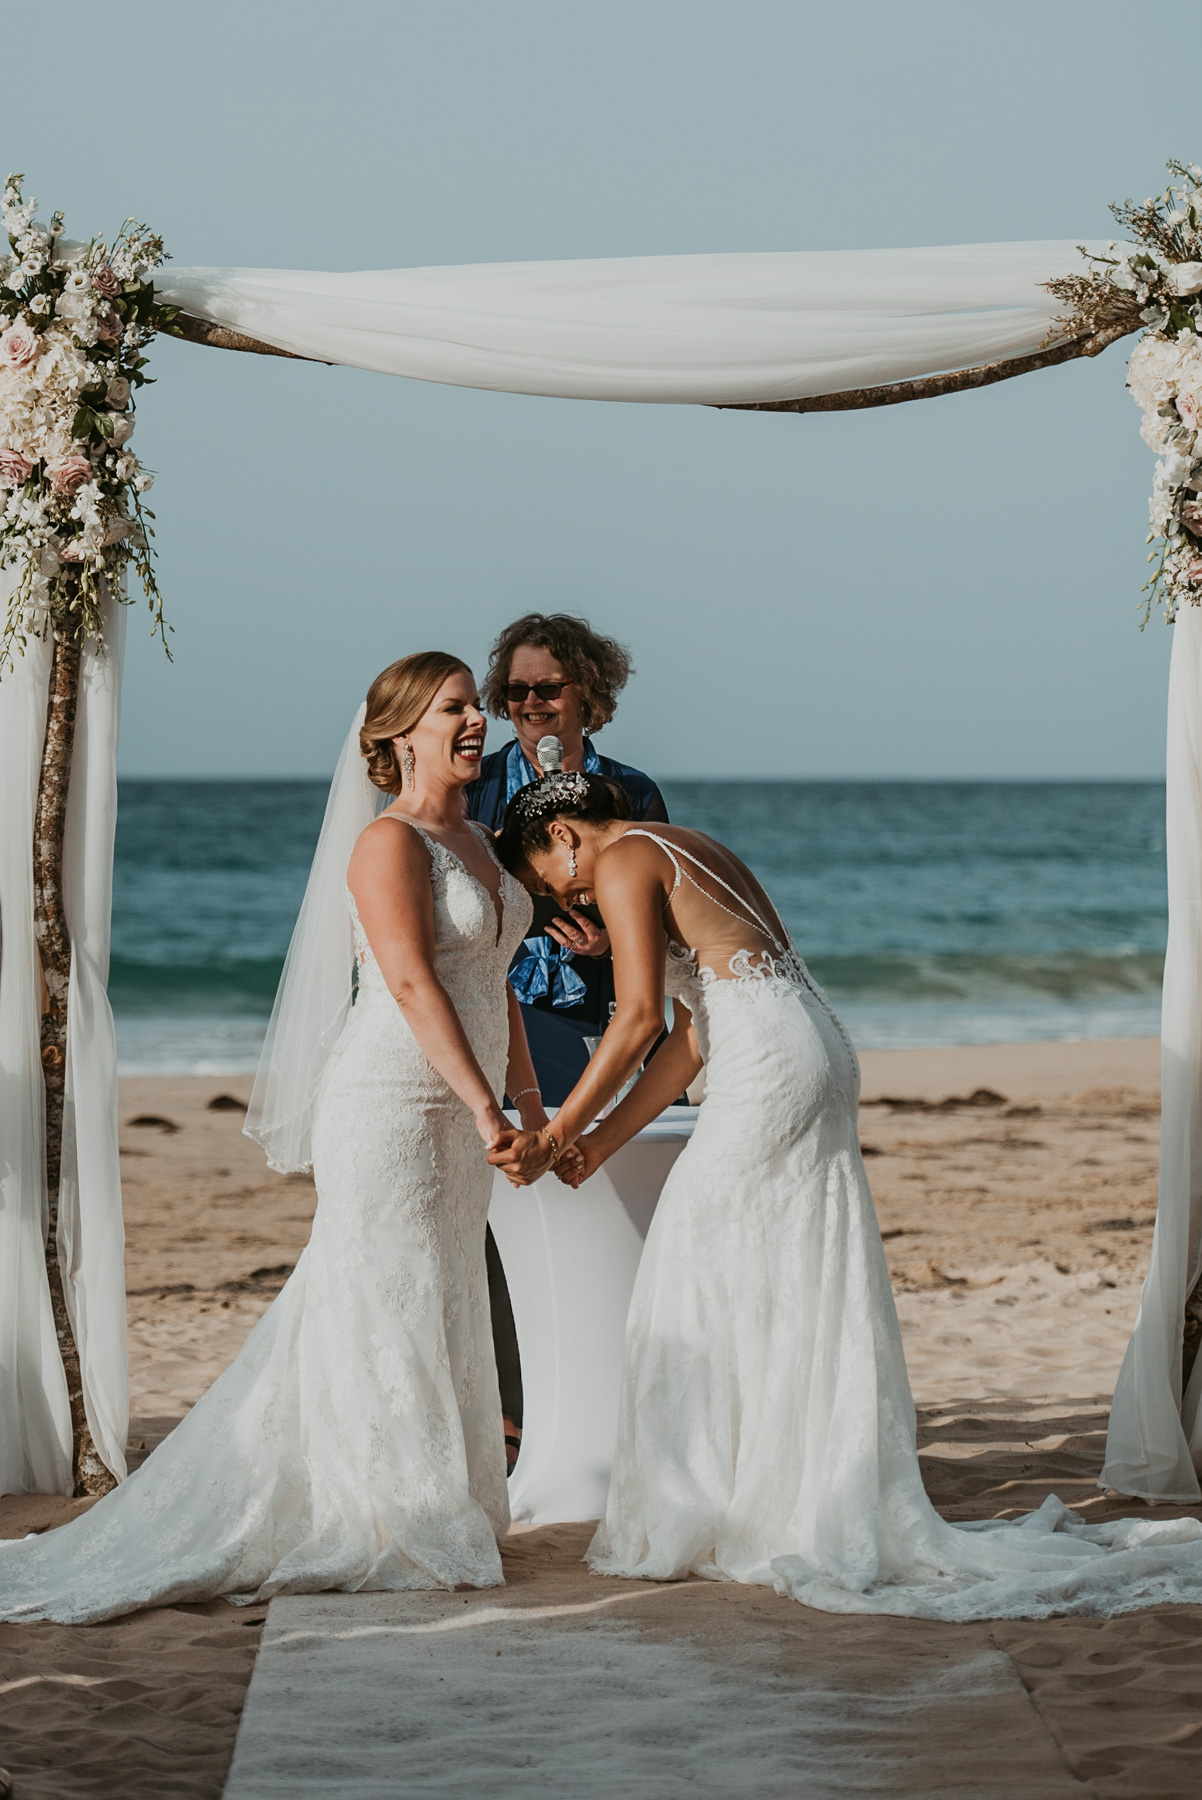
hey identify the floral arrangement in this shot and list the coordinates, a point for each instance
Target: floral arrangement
(1157, 282)
(74, 321)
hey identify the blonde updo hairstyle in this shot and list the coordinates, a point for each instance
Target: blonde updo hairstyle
(396, 700)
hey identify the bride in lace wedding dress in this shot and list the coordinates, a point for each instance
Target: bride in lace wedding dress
(356, 1440)
(767, 1433)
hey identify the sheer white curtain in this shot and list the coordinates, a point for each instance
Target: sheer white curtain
(771, 326)
(1154, 1446)
(35, 1425)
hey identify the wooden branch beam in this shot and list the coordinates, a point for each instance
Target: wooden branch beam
(54, 952)
(220, 337)
(931, 386)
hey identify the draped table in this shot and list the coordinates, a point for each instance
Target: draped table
(570, 1260)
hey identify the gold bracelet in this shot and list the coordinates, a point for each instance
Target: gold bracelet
(556, 1149)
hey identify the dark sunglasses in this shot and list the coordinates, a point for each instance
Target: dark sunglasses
(517, 691)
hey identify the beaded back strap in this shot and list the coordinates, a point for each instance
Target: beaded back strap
(671, 851)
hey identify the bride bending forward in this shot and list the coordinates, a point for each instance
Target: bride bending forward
(356, 1441)
(767, 1432)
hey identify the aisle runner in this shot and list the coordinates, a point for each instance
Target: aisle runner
(565, 1686)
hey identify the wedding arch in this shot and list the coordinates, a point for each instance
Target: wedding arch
(788, 331)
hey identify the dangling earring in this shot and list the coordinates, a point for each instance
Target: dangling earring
(572, 864)
(408, 762)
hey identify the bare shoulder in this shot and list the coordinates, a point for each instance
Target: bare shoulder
(633, 860)
(389, 849)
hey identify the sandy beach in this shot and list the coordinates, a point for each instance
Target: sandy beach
(1016, 1191)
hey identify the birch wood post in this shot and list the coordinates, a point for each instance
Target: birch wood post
(54, 951)
(1191, 1341)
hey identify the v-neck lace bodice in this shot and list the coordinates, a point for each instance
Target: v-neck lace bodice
(472, 947)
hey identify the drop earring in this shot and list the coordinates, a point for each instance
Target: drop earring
(572, 864)
(408, 761)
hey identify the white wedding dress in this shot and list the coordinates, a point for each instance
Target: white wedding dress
(356, 1441)
(767, 1432)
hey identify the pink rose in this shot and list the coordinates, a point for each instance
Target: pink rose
(106, 281)
(1194, 571)
(1190, 410)
(15, 469)
(109, 328)
(72, 552)
(69, 476)
(19, 346)
(1191, 517)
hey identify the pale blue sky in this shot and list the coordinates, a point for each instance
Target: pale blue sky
(939, 589)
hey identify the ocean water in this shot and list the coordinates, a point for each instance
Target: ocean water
(932, 912)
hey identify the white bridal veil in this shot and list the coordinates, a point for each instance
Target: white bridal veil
(314, 994)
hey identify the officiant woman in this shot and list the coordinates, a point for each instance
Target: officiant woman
(552, 675)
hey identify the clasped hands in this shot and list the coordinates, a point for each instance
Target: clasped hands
(524, 1156)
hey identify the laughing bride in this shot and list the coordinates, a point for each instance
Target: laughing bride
(767, 1432)
(356, 1441)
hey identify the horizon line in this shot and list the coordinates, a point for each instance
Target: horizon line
(728, 780)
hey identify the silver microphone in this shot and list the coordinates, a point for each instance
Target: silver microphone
(550, 755)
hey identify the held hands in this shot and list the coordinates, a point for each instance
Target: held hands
(582, 935)
(524, 1156)
(521, 1156)
(578, 1163)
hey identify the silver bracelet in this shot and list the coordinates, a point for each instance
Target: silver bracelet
(522, 1092)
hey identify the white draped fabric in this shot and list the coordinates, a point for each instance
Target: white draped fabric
(1154, 1446)
(35, 1424)
(768, 326)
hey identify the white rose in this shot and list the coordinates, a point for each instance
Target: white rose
(1172, 469)
(71, 304)
(1160, 510)
(123, 429)
(117, 394)
(1186, 278)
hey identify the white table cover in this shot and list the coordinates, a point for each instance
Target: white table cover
(570, 1260)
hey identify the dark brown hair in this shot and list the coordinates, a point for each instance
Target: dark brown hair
(600, 666)
(591, 799)
(396, 700)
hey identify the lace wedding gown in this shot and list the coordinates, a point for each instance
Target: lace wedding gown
(356, 1440)
(767, 1432)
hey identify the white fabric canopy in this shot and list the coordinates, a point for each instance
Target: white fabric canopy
(35, 1422)
(775, 325)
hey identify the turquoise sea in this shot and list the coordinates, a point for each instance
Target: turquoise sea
(932, 912)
